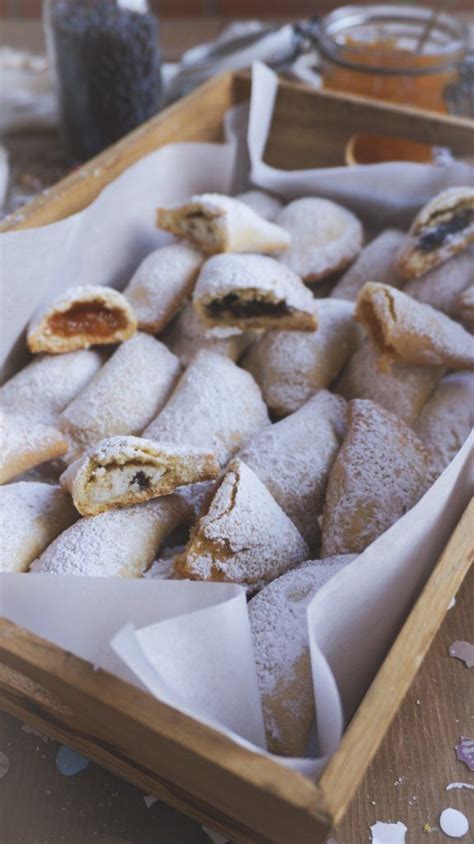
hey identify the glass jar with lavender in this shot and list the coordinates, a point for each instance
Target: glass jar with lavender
(106, 60)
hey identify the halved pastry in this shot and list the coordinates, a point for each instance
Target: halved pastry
(325, 237)
(403, 389)
(31, 516)
(290, 366)
(161, 284)
(381, 471)
(119, 543)
(444, 226)
(293, 459)
(46, 385)
(188, 334)
(216, 223)
(464, 308)
(442, 286)
(279, 628)
(81, 317)
(447, 418)
(406, 331)
(262, 202)
(216, 406)
(245, 537)
(125, 395)
(377, 260)
(24, 444)
(252, 291)
(121, 471)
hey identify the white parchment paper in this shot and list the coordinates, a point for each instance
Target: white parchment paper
(189, 643)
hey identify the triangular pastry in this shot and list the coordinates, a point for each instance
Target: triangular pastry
(444, 226)
(290, 366)
(447, 418)
(81, 317)
(280, 641)
(25, 444)
(216, 223)
(293, 458)
(252, 291)
(406, 331)
(121, 471)
(119, 543)
(377, 260)
(245, 537)
(216, 406)
(161, 284)
(31, 516)
(381, 471)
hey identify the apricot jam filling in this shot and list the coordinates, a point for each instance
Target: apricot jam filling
(90, 318)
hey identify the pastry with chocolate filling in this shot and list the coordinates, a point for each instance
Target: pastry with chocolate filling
(79, 318)
(403, 389)
(464, 308)
(43, 388)
(119, 543)
(216, 406)
(442, 286)
(325, 237)
(125, 395)
(447, 418)
(380, 473)
(188, 334)
(377, 260)
(161, 285)
(444, 226)
(245, 537)
(279, 626)
(262, 203)
(216, 223)
(24, 444)
(252, 291)
(290, 366)
(293, 458)
(407, 331)
(31, 516)
(120, 471)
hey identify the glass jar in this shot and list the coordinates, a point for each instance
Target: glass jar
(405, 54)
(107, 68)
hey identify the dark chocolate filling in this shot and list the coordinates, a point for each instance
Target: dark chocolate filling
(243, 308)
(435, 236)
(141, 480)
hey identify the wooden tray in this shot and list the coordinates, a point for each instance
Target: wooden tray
(249, 798)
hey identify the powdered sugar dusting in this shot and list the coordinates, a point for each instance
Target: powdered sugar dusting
(376, 262)
(442, 286)
(188, 335)
(447, 418)
(262, 203)
(26, 444)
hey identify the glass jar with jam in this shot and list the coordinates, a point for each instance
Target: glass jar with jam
(399, 53)
(107, 68)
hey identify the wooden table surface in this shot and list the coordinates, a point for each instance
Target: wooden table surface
(406, 781)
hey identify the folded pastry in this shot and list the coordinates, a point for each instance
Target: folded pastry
(120, 471)
(216, 406)
(376, 262)
(45, 386)
(325, 237)
(403, 389)
(381, 471)
(161, 284)
(119, 543)
(188, 334)
(216, 223)
(406, 331)
(293, 459)
(245, 537)
(263, 203)
(252, 291)
(464, 308)
(447, 418)
(290, 365)
(31, 516)
(24, 444)
(444, 226)
(81, 317)
(125, 395)
(442, 286)
(280, 641)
